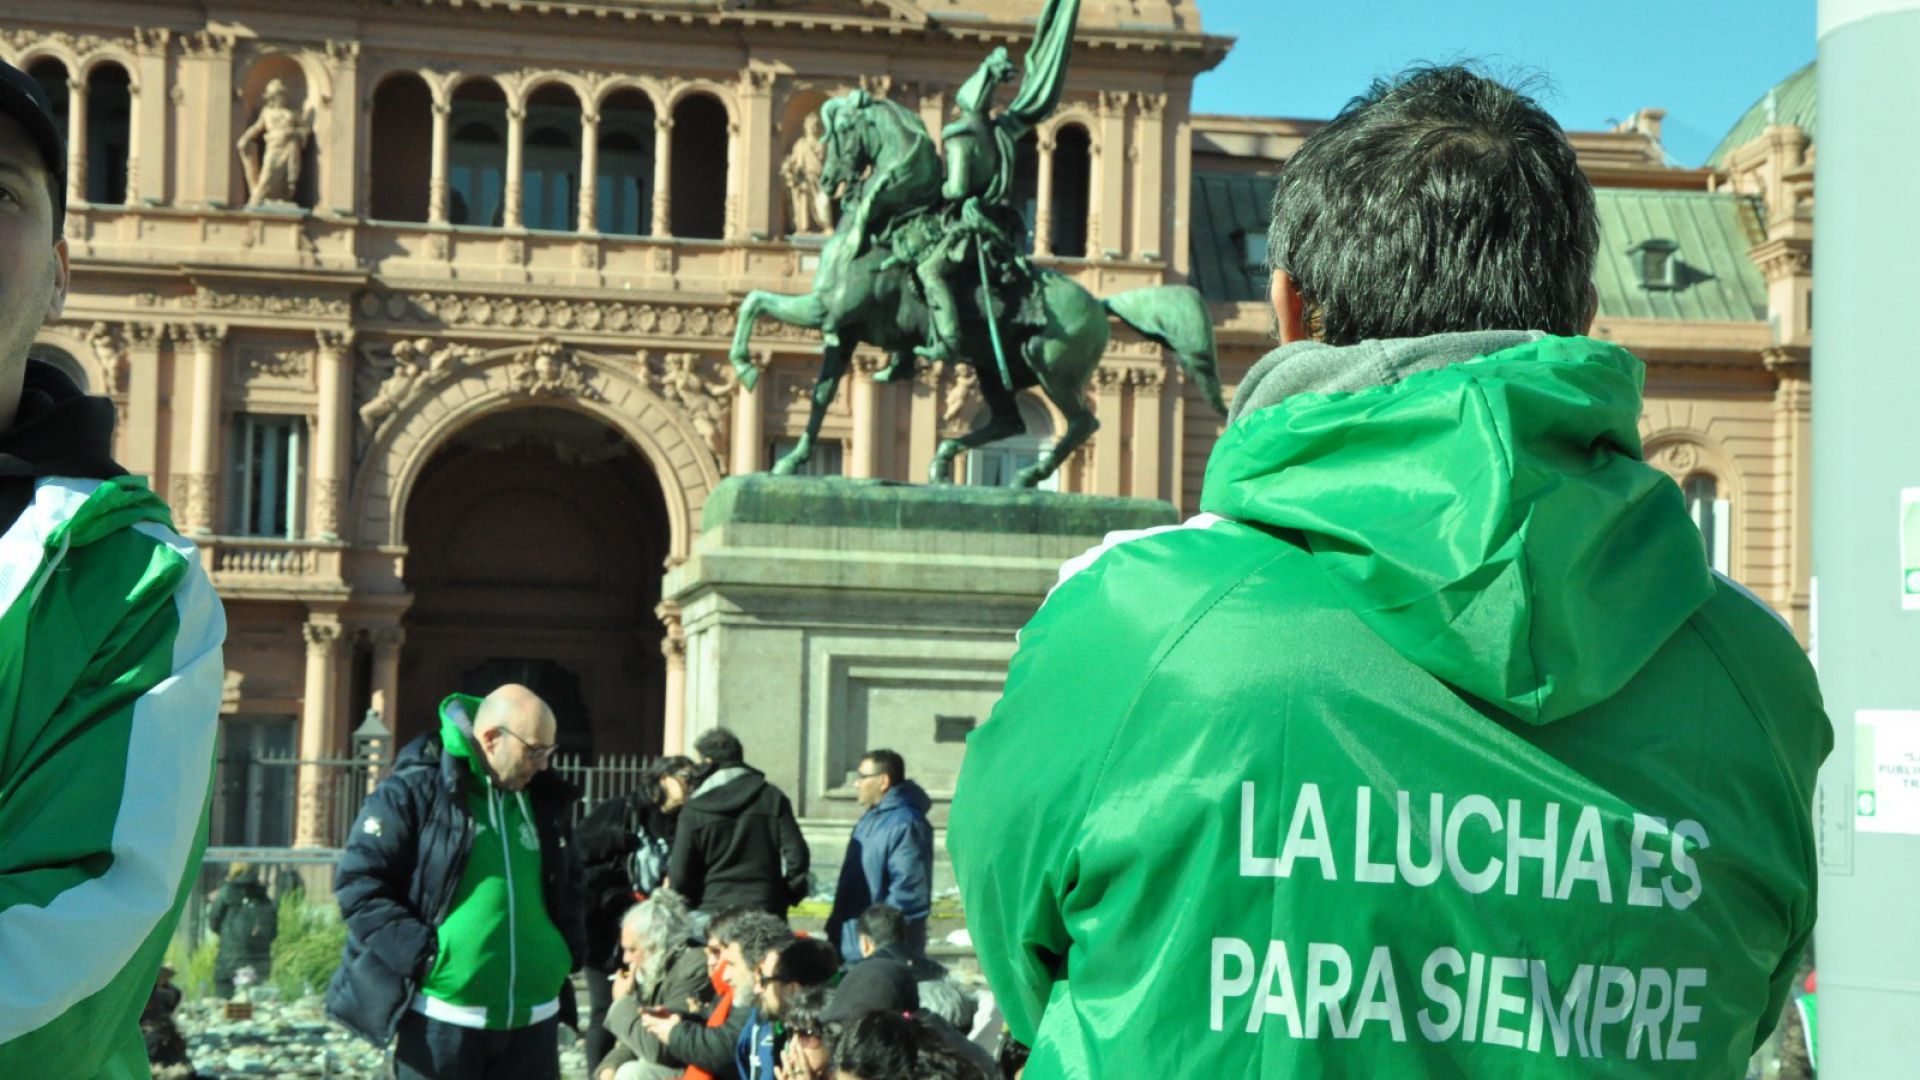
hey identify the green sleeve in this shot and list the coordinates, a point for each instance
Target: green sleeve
(1033, 768)
(104, 788)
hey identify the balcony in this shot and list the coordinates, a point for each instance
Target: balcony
(244, 567)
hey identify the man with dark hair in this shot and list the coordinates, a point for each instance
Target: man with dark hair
(110, 671)
(784, 969)
(889, 858)
(882, 931)
(737, 843)
(1434, 747)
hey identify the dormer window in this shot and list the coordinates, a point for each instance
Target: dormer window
(1253, 252)
(1654, 261)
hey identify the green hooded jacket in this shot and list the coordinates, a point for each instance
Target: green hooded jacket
(1433, 748)
(501, 960)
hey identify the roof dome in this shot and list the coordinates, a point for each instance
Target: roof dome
(1789, 102)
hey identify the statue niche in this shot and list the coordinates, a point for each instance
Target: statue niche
(272, 147)
(808, 213)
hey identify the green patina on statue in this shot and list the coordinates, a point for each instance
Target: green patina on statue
(929, 261)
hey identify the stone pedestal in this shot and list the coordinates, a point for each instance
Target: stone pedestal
(826, 617)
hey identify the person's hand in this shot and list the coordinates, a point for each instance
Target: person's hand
(605, 1074)
(660, 1027)
(623, 983)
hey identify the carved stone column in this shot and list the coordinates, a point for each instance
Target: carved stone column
(1109, 178)
(76, 141)
(673, 646)
(1793, 464)
(749, 422)
(386, 642)
(662, 176)
(203, 440)
(1150, 204)
(140, 427)
(589, 173)
(1109, 395)
(923, 422)
(148, 126)
(758, 153)
(317, 735)
(1148, 386)
(863, 458)
(334, 437)
(1043, 196)
(437, 183)
(516, 155)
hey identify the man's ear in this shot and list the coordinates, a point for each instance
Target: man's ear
(1288, 308)
(1593, 310)
(62, 276)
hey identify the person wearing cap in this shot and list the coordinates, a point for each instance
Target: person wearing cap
(880, 985)
(110, 672)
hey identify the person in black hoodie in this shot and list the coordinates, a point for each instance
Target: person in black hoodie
(737, 844)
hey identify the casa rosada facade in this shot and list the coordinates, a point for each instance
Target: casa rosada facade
(417, 315)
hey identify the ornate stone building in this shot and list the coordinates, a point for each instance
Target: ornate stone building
(417, 314)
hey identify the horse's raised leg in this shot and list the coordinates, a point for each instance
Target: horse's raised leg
(802, 310)
(1065, 385)
(1003, 422)
(833, 364)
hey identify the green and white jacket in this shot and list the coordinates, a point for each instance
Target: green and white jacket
(1433, 748)
(110, 677)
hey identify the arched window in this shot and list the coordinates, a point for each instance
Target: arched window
(51, 74)
(698, 197)
(1712, 515)
(1024, 195)
(62, 359)
(995, 464)
(109, 114)
(400, 168)
(623, 203)
(477, 155)
(1072, 176)
(550, 162)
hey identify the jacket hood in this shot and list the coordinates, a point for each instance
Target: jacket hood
(1492, 519)
(456, 732)
(906, 795)
(729, 789)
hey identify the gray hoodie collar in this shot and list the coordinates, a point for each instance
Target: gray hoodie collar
(1311, 367)
(720, 779)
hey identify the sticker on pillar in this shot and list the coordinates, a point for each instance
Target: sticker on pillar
(1886, 770)
(1910, 549)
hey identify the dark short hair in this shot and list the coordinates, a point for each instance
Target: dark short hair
(883, 924)
(757, 933)
(720, 925)
(720, 746)
(804, 1006)
(888, 762)
(1439, 200)
(651, 789)
(807, 961)
(890, 1046)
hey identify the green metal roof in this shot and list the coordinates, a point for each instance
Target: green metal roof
(1793, 100)
(1227, 208)
(1712, 232)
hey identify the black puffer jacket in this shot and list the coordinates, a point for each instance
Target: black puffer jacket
(402, 864)
(738, 845)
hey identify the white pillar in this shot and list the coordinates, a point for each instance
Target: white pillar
(662, 175)
(332, 439)
(203, 439)
(317, 735)
(516, 136)
(589, 173)
(437, 184)
(76, 141)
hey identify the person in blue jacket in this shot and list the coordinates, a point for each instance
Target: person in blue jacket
(890, 858)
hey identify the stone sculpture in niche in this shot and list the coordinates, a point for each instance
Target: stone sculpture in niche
(808, 213)
(271, 147)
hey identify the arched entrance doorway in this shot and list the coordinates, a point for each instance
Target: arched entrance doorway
(535, 540)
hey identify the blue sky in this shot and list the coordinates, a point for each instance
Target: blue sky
(1704, 61)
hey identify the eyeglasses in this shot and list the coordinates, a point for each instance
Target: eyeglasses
(534, 750)
(866, 775)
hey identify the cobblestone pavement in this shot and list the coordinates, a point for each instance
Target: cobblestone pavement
(296, 1040)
